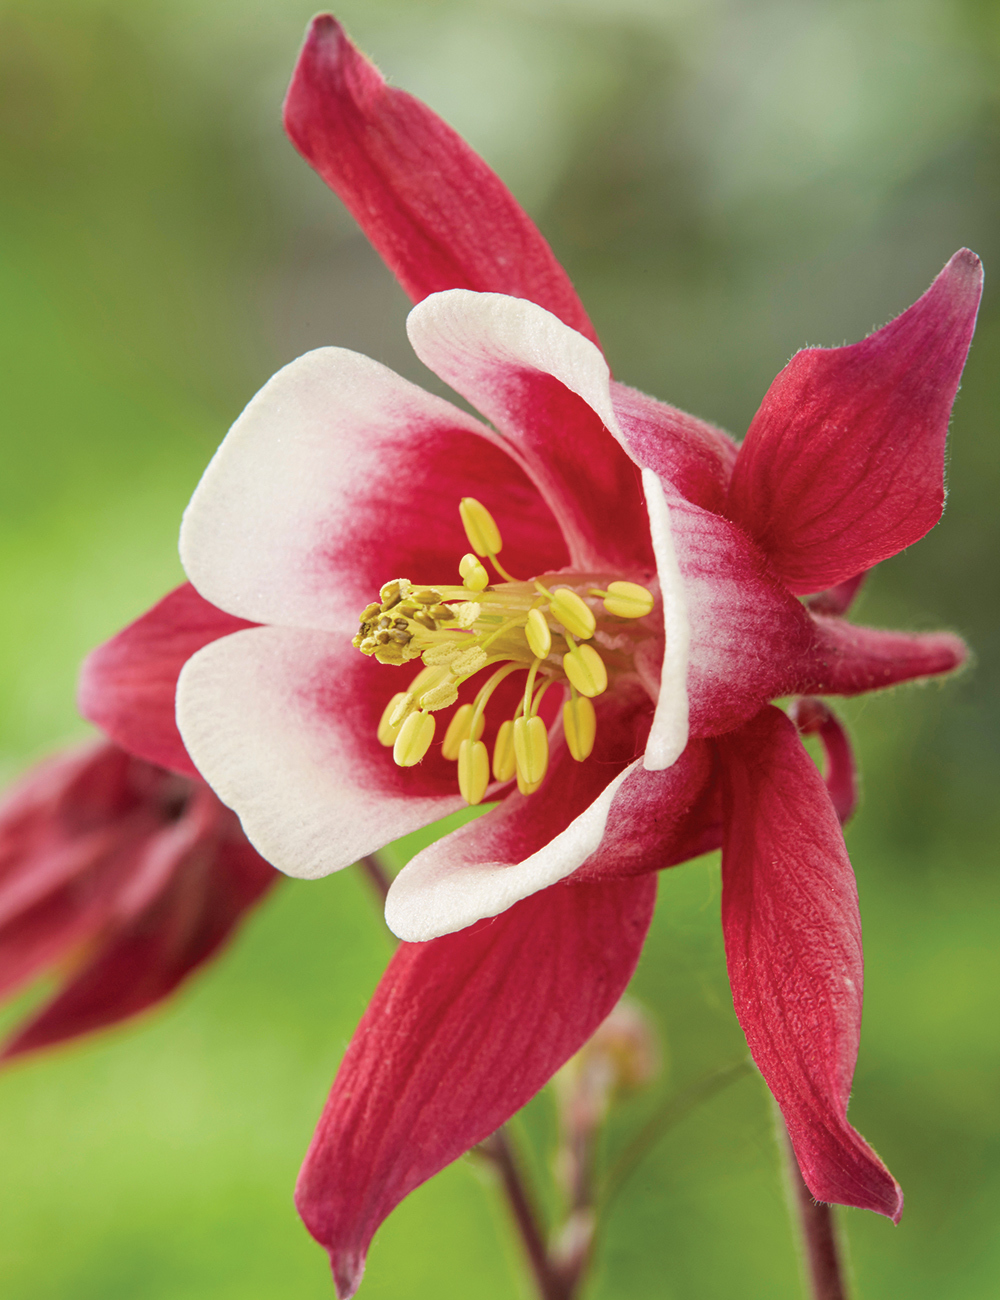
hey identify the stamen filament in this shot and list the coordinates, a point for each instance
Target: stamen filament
(482, 699)
(529, 686)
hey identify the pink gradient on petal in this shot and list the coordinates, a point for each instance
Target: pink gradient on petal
(659, 819)
(695, 457)
(546, 389)
(338, 476)
(749, 638)
(793, 949)
(528, 842)
(283, 722)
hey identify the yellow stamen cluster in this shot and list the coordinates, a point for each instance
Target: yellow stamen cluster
(546, 627)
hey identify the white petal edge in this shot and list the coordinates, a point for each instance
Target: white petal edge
(303, 454)
(515, 331)
(520, 332)
(669, 733)
(429, 898)
(295, 778)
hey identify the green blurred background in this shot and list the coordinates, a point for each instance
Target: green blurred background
(726, 182)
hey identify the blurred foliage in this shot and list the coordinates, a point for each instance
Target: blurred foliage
(726, 180)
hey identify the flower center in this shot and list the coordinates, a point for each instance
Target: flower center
(571, 630)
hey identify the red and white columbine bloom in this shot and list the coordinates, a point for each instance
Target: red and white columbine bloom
(523, 927)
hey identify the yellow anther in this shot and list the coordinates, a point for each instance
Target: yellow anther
(473, 574)
(393, 592)
(575, 616)
(473, 770)
(414, 739)
(628, 600)
(580, 726)
(458, 730)
(531, 751)
(504, 761)
(406, 704)
(538, 634)
(585, 669)
(440, 696)
(468, 662)
(388, 730)
(480, 527)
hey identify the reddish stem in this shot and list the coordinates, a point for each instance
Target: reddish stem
(552, 1285)
(820, 1242)
(378, 877)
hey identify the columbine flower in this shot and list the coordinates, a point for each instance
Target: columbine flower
(120, 878)
(594, 595)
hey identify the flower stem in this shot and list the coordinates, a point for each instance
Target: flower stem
(378, 877)
(551, 1283)
(820, 1243)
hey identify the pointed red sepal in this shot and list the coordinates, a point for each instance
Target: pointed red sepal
(843, 465)
(460, 1033)
(793, 949)
(847, 659)
(127, 685)
(439, 217)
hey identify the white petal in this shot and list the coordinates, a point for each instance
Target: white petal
(277, 726)
(433, 895)
(669, 732)
(311, 483)
(547, 389)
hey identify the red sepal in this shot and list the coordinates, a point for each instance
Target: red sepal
(127, 685)
(793, 949)
(460, 1033)
(439, 217)
(843, 465)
